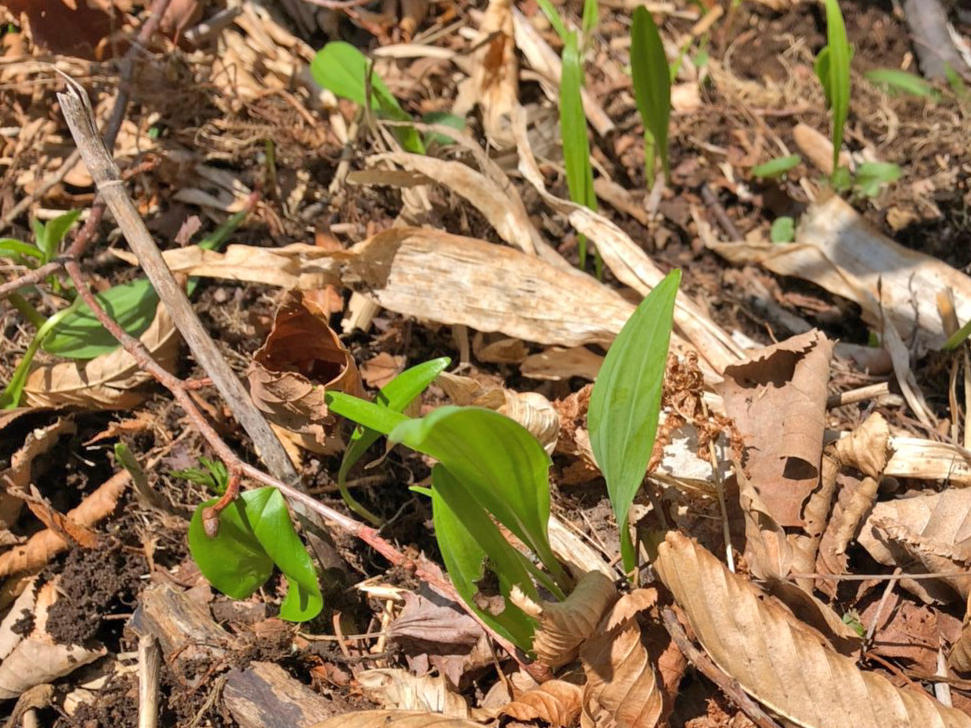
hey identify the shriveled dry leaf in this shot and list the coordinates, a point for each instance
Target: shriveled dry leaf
(495, 71)
(110, 381)
(42, 546)
(778, 399)
(777, 661)
(621, 687)
(908, 632)
(555, 702)
(382, 368)
(557, 363)
(399, 689)
(394, 719)
(18, 476)
(564, 626)
(37, 659)
(933, 529)
(299, 362)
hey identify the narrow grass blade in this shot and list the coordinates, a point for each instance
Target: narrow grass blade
(652, 88)
(837, 69)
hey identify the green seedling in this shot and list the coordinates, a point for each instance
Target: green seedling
(652, 90)
(833, 71)
(958, 337)
(341, 68)
(626, 400)
(871, 177)
(958, 87)
(588, 23)
(783, 230)
(892, 80)
(777, 167)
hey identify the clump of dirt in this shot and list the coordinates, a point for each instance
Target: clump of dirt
(94, 584)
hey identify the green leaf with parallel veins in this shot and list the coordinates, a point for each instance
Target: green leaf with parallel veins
(894, 80)
(652, 88)
(833, 69)
(626, 400)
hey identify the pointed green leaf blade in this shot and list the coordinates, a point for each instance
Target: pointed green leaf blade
(573, 127)
(652, 83)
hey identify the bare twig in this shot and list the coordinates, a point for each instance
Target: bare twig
(709, 669)
(149, 662)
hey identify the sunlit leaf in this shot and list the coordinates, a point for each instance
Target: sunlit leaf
(783, 230)
(894, 80)
(833, 69)
(652, 89)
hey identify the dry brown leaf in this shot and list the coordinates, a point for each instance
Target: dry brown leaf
(555, 702)
(300, 361)
(767, 548)
(22, 606)
(777, 399)
(42, 546)
(109, 381)
(933, 528)
(959, 658)
(564, 626)
(382, 368)
(394, 719)
(557, 363)
(777, 661)
(59, 523)
(495, 71)
(621, 688)
(19, 476)
(399, 689)
(817, 148)
(500, 351)
(37, 659)
(910, 632)
(913, 457)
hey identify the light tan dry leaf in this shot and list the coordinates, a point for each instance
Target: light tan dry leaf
(394, 719)
(23, 606)
(399, 689)
(817, 614)
(817, 148)
(959, 658)
(37, 659)
(913, 457)
(19, 475)
(382, 368)
(577, 553)
(42, 546)
(564, 626)
(500, 351)
(778, 401)
(621, 688)
(555, 702)
(777, 661)
(934, 528)
(557, 363)
(109, 381)
(495, 71)
(302, 359)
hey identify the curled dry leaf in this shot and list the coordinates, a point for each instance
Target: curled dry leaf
(495, 71)
(778, 401)
(37, 659)
(778, 661)
(767, 549)
(396, 688)
(934, 529)
(621, 688)
(555, 702)
(299, 362)
(109, 381)
(564, 626)
(42, 546)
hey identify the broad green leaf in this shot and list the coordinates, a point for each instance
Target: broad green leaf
(466, 542)
(341, 68)
(573, 130)
(652, 89)
(370, 415)
(837, 69)
(783, 230)
(776, 167)
(267, 511)
(872, 176)
(499, 463)
(234, 561)
(396, 395)
(894, 80)
(10, 248)
(626, 400)
(556, 21)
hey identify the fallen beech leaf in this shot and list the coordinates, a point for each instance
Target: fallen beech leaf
(959, 658)
(382, 368)
(67, 28)
(399, 689)
(564, 626)
(555, 702)
(495, 71)
(109, 381)
(767, 549)
(37, 659)
(913, 457)
(777, 399)
(621, 687)
(933, 528)
(394, 719)
(59, 523)
(557, 363)
(910, 632)
(777, 661)
(19, 475)
(501, 351)
(42, 546)
(299, 362)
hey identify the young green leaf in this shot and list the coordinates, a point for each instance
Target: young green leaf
(626, 400)
(652, 89)
(573, 130)
(466, 543)
(555, 20)
(833, 69)
(213, 475)
(501, 466)
(958, 87)
(871, 177)
(958, 337)
(396, 395)
(894, 80)
(370, 415)
(441, 118)
(48, 236)
(10, 248)
(776, 167)
(783, 230)
(588, 24)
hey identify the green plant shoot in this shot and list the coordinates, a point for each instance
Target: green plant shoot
(783, 230)
(626, 400)
(833, 70)
(652, 90)
(776, 167)
(897, 81)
